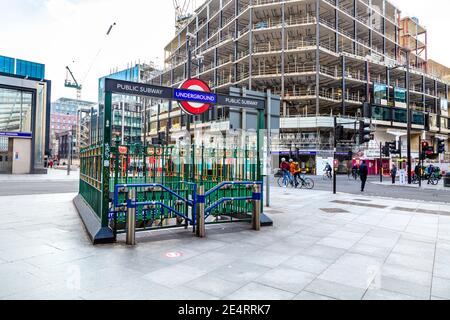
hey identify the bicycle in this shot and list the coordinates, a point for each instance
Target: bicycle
(432, 179)
(306, 183)
(327, 176)
(286, 182)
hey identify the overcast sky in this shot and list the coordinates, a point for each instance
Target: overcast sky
(72, 32)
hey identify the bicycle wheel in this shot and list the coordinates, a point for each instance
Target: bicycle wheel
(308, 183)
(435, 181)
(280, 182)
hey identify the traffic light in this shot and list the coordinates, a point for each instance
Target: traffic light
(427, 151)
(364, 132)
(440, 146)
(393, 147)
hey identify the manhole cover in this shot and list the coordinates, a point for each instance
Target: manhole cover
(173, 255)
(334, 210)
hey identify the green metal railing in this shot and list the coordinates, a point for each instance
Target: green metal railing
(176, 167)
(91, 176)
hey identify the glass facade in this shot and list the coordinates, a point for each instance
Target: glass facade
(40, 123)
(30, 69)
(15, 111)
(7, 65)
(22, 68)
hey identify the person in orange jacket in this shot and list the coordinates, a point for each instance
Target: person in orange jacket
(295, 171)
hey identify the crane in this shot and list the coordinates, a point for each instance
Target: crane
(77, 85)
(182, 11)
(74, 85)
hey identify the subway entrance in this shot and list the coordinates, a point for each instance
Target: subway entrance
(185, 179)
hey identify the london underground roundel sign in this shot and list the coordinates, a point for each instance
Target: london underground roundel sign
(195, 96)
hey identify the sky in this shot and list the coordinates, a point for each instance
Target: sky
(60, 33)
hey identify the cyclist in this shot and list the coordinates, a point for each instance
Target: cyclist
(285, 168)
(430, 173)
(328, 170)
(295, 172)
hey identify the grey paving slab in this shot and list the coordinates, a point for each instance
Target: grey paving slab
(379, 241)
(335, 290)
(288, 247)
(323, 252)
(266, 258)
(214, 286)
(286, 279)
(406, 274)
(337, 242)
(441, 270)
(174, 276)
(59, 257)
(308, 264)
(415, 248)
(411, 262)
(441, 288)
(209, 261)
(380, 294)
(50, 292)
(255, 291)
(13, 254)
(129, 289)
(370, 250)
(402, 286)
(240, 272)
(19, 283)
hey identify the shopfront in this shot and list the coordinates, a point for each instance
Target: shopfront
(24, 121)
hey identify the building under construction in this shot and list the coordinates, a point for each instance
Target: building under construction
(325, 58)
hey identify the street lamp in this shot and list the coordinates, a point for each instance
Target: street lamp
(69, 139)
(408, 109)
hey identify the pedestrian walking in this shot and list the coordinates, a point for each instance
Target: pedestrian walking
(50, 164)
(363, 173)
(393, 173)
(355, 170)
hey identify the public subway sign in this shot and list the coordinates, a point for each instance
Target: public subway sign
(139, 89)
(16, 134)
(240, 102)
(194, 97)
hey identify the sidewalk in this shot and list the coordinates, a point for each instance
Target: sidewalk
(388, 182)
(322, 246)
(53, 175)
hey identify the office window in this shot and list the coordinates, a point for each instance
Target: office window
(15, 111)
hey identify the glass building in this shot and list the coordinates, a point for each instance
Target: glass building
(24, 116)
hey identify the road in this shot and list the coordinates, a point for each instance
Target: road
(344, 185)
(354, 187)
(16, 188)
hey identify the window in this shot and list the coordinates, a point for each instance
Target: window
(30, 69)
(15, 111)
(400, 116)
(6, 65)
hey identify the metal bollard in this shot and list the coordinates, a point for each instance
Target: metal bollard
(201, 232)
(131, 218)
(256, 217)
